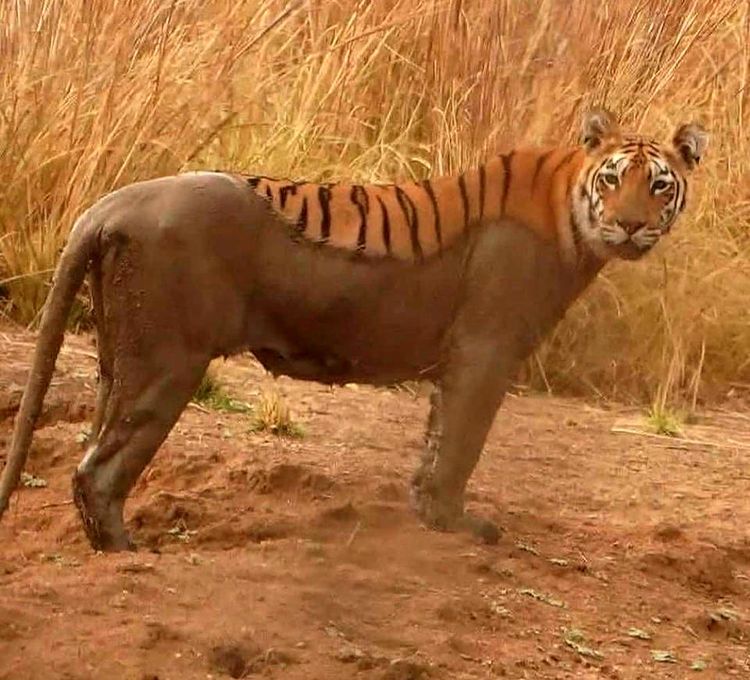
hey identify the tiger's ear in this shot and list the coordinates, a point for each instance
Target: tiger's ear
(598, 125)
(690, 141)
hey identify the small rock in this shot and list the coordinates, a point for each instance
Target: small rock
(350, 654)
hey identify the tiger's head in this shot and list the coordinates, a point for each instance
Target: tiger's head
(631, 188)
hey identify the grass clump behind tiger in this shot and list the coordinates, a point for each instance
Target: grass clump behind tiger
(273, 415)
(269, 412)
(212, 394)
(407, 89)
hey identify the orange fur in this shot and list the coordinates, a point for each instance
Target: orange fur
(415, 220)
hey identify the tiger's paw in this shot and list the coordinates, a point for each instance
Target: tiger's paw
(103, 533)
(446, 514)
(486, 531)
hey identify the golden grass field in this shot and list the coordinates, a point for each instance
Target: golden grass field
(98, 93)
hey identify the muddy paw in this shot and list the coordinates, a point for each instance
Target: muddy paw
(448, 515)
(486, 531)
(102, 535)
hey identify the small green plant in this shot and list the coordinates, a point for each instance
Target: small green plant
(663, 420)
(271, 414)
(211, 394)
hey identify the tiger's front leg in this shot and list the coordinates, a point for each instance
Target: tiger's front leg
(432, 435)
(462, 410)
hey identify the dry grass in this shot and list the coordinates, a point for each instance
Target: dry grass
(271, 414)
(212, 394)
(97, 94)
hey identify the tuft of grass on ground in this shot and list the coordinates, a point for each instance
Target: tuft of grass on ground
(271, 414)
(665, 421)
(212, 395)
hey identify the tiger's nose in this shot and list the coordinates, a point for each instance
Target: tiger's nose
(631, 227)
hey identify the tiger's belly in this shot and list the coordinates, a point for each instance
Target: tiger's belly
(333, 319)
(334, 370)
(382, 348)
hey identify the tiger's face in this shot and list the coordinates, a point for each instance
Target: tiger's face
(632, 188)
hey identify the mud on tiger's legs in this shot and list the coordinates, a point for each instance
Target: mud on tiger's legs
(431, 445)
(460, 417)
(141, 408)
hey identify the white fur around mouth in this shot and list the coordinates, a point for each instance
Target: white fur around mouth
(646, 237)
(643, 239)
(613, 235)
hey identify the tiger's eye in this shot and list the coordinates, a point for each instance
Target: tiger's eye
(610, 179)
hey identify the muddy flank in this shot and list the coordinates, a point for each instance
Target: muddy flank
(623, 556)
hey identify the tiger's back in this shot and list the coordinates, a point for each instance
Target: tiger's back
(414, 221)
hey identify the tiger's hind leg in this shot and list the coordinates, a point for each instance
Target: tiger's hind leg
(150, 365)
(104, 349)
(103, 391)
(144, 402)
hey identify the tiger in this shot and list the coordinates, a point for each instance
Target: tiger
(452, 280)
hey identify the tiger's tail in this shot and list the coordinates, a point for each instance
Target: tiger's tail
(68, 277)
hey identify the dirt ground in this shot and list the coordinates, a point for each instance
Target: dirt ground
(622, 555)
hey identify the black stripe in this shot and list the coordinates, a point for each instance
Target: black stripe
(653, 152)
(269, 192)
(563, 161)
(575, 229)
(464, 198)
(683, 200)
(438, 227)
(324, 199)
(302, 219)
(360, 199)
(506, 159)
(284, 193)
(482, 182)
(254, 181)
(410, 214)
(671, 194)
(677, 199)
(593, 207)
(538, 168)
(593, 176)
(386, 226)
